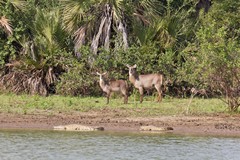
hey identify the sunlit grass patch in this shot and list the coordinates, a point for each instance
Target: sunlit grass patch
(26, 104)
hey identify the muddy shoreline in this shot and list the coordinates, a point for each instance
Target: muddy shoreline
(214, 125)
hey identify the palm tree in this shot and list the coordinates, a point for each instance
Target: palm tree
(42, 43)
(43, 49)
(98, 21)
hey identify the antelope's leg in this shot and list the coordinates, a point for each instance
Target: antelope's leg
(125, 99)
(125, 94)
(159, 99)
(108, 95)
(141, 94)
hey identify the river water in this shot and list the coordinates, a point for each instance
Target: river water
(57, 145)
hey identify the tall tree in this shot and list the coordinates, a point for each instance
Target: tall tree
(98, 21)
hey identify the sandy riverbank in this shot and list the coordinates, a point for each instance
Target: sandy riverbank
(221, 124)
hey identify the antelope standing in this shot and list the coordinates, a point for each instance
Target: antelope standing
(147, 81)
(113, 86)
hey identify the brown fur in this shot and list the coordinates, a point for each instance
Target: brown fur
(113, 86)
(147, 81)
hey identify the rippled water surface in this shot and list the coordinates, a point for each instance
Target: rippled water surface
(45, 145)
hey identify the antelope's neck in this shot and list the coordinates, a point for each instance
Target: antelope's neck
(102, 83)
(133, 78)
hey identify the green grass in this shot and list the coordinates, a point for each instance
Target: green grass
(27, 104)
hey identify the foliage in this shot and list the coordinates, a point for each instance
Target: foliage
(9, 35)
(35, 51)
(79, 77)
(214, 59)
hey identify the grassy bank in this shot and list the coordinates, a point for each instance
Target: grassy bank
(26, 104)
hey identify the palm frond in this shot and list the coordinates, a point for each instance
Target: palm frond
(74, 12)
(142, 18)
(79, 36)
(6, 25)
(118, 7)
(19, 4)
(148, 10)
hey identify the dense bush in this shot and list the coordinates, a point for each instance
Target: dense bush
(78, 81)
(213, 59)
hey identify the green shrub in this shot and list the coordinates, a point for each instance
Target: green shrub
(78, 80)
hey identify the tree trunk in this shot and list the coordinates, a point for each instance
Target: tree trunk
(107, 27)
(33, 54)
(123, 30)
(79, 39)
(96, 38)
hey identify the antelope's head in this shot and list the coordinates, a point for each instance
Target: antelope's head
(132, 69)
(101, 76)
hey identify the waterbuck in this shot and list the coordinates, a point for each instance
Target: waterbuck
(113, 86)
(147, 81)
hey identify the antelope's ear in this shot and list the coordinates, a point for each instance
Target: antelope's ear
(127, 65)
(135, 66)
(98, 73)
(104, 73)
